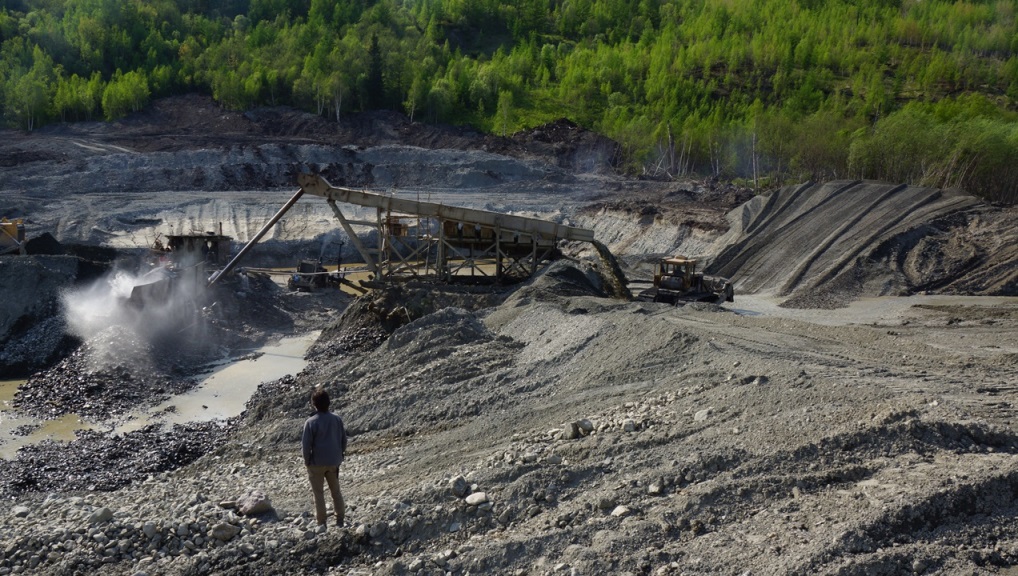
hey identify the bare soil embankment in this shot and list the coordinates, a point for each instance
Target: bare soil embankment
(825, 245)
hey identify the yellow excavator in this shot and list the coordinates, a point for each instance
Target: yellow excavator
(676, 281)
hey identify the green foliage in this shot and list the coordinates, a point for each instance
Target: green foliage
(919, 92)
(125, 93)
(949, 144)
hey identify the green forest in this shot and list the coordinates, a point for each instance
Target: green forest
(767, 91)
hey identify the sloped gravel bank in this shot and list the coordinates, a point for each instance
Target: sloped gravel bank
(562, 431)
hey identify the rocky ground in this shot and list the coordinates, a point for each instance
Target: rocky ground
(809, 427)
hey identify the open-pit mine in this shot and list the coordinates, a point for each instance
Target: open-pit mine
(819, 378)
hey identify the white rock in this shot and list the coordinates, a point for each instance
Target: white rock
(20, 511)
(477, 498)
(254, 502)
(701, 415)
(621, 511)
(101, 515)
(225, 531)
(554, 459)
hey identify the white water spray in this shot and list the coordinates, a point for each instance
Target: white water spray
(122, 323)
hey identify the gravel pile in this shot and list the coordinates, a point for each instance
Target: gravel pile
(101, 461)
(559, 431)
(112, 373)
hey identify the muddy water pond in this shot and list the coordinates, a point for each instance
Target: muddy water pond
(221, 394)
(17, 430)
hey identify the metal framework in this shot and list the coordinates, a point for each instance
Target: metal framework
(429, 239)
(419, 238)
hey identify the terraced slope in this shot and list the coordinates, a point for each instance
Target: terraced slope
(821, 245)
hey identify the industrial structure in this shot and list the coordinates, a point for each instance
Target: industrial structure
(428, 239)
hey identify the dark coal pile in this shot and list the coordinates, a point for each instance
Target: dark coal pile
(282, 395)
(41, 341)
(572, 146)
(121, 368)
(104, 462)
(33, 331)
(368, 321)
(244, 306)
(109, 375)
(359, 340)
(358, 329)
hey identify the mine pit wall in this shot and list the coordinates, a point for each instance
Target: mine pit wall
(32, 331)
(822, 245)
(632, 237)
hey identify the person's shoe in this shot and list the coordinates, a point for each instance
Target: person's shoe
(340, 522)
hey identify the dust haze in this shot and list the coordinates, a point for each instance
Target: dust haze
(167, 320)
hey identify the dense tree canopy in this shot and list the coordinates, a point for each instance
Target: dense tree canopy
(922, 91)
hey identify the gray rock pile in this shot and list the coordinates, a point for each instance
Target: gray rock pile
(577, 434)
(100, 461)
(158, 534)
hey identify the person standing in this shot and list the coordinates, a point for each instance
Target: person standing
(324, 442)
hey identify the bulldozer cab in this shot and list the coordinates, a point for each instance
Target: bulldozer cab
(675, 273)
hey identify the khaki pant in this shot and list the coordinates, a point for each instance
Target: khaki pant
(319, 475)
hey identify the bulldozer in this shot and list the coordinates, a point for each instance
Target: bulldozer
(310, 275)
(677, 282)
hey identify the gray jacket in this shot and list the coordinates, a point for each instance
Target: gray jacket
(323, 440)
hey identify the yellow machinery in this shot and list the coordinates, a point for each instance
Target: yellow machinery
(12, 236)
(676, 281)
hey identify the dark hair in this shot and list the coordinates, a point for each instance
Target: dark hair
(320, 400)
